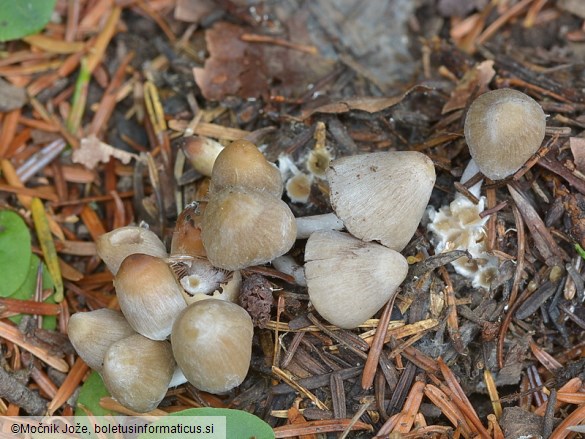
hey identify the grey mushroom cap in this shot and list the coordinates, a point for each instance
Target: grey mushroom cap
(382, 196)
(503, 129)
(350, 280)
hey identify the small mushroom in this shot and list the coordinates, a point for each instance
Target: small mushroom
(212, 344)
(243, 227)
(137, 371)
(382, 196)
(114, 246)
(503, 129)
(201, 152)
(350, 280)
(92, 333)
(149, 294)
(241, 164)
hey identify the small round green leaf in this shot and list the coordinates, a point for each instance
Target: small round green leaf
(239, 424)
(15, 250)
(89, 397)
(23, 17)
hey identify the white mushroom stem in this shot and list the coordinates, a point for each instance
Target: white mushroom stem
(307, 225)
(470, 170)
(286, 264)
(178, 378)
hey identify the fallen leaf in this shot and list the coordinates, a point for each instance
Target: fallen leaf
(93, 151)
(475, 81)
(367, 104)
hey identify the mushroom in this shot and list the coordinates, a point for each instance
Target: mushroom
(350, 280)
(503, 129)
(241, 164)
(201, 152)
(149, 294)
(114, 246)
(243, 227)
(212, 344)
(382, 196)
(92, 333)
(137, 371)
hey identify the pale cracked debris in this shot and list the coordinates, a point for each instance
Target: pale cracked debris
(458, 226)
(93, 151)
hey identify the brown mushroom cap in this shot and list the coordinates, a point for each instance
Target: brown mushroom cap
(149, 294)
(212, 344)
(243, 227)
(382, 196)
(114, 246)
(242, 164)
(137, 371)
(350, 280)
(92, 333)
(503, 129)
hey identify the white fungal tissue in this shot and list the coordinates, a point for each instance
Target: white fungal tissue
(458, 226)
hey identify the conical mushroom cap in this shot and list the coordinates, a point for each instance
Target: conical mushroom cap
(382, 196)
(137, 371)
(242, 164)
(350, 280)
(503, 129)
(244, 227)
(149, 294)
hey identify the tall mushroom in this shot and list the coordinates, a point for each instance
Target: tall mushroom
(245, 222)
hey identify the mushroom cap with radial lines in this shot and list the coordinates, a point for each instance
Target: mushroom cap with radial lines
(503, 129)
(212, 344)
(243, 227)
(350, 280)
(382, 196)
(149, 294)
(137, 371)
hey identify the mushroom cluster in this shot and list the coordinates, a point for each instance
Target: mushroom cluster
(159, 339)
(173, 327)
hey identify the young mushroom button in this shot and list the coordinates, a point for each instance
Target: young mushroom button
(503, 129)
(382, 196)
(241, 164)
(137, 371)
(92, 333)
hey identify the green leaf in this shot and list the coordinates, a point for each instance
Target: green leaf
(27, 290)
(89, 397)
(240, 424)
(19, 18)
(15, 250)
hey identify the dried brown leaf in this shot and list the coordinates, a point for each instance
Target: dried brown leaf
(475, 81)
(92, 151)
